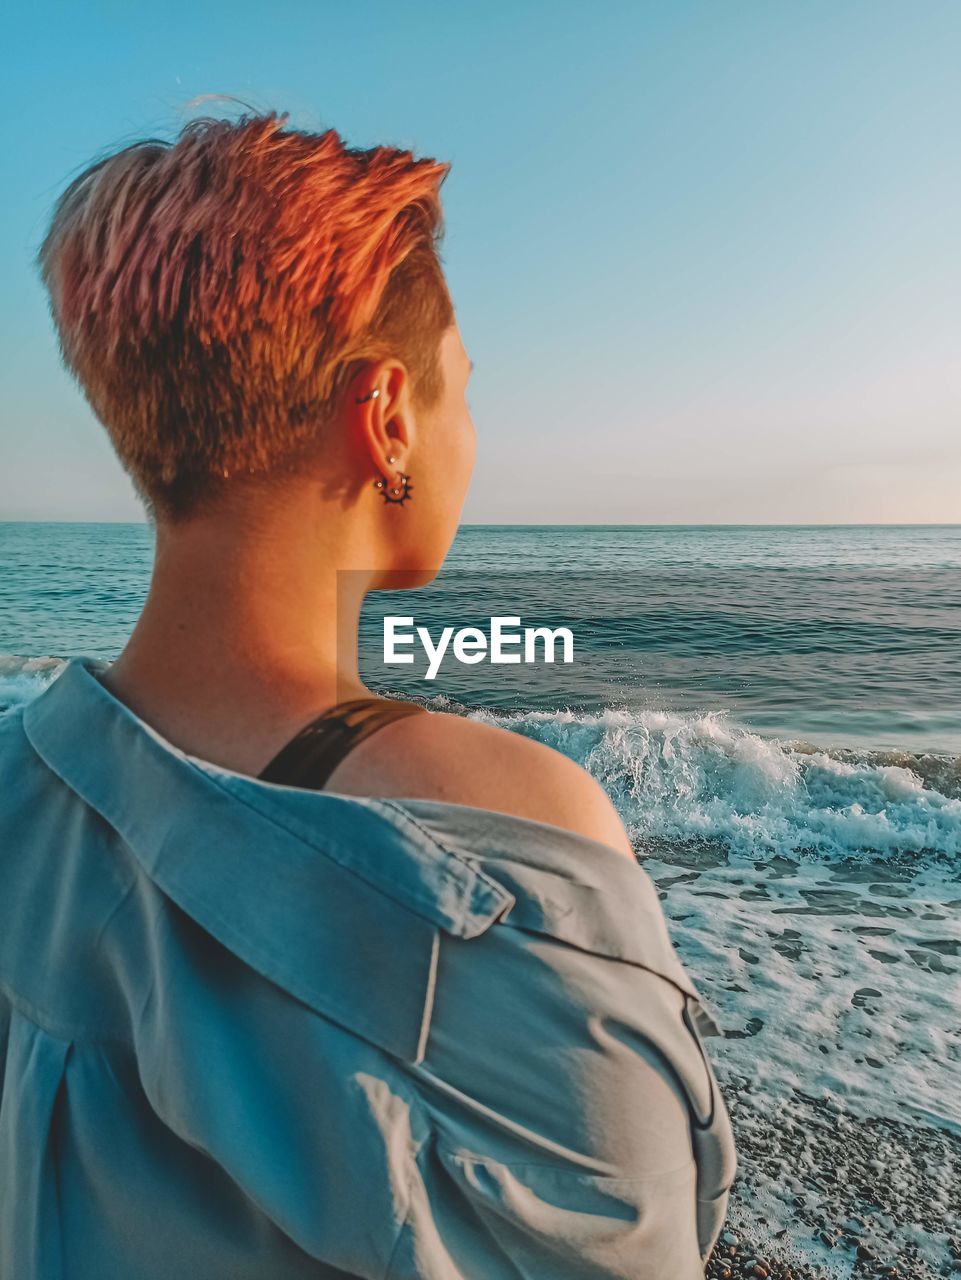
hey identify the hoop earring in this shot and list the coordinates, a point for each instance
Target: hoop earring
(399, 493)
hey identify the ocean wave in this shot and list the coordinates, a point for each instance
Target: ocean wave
(681, 778)
(23, 678)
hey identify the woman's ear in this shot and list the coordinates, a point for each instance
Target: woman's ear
(380, 420)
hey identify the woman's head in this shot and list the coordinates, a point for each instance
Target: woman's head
(229, 300)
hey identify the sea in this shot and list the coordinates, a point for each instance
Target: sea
(776, 714)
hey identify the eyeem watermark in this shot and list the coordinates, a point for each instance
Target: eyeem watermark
(470, 645)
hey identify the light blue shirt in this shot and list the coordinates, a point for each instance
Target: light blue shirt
(253, 1031)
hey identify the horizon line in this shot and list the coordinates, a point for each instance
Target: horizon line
(606, 524)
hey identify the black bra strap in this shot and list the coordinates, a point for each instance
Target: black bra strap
(311, 757)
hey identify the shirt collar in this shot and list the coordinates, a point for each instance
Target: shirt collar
(317, 892)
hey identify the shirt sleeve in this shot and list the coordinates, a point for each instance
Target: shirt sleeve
(574, 1128)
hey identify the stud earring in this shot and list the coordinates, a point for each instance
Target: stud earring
(373, 396)
(398, 493)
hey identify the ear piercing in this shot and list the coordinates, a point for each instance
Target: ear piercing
(398, 493)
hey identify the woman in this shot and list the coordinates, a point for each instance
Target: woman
(296, 981)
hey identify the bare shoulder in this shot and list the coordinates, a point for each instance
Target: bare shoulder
(450, 758)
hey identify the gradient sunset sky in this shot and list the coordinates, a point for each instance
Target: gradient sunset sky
(705, 255)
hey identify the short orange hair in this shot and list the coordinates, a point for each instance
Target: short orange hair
(213, 295)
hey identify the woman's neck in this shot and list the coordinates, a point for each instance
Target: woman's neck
(246, 634)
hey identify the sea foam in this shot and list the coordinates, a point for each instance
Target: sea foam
(683, 778)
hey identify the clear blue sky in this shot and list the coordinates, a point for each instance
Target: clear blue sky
(705, 255)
